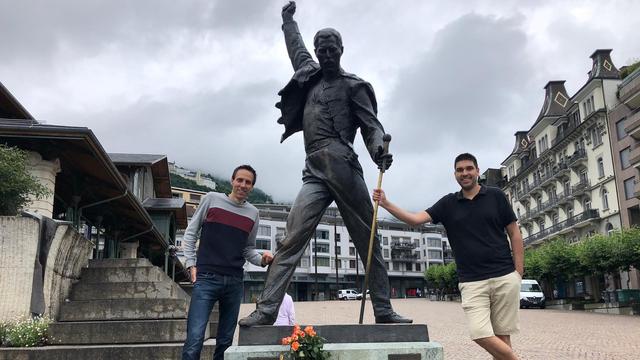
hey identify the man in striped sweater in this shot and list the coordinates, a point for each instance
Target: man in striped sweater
(227, 226)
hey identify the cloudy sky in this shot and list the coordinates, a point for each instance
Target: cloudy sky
(197, 80)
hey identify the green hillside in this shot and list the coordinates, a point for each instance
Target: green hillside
(257, 196)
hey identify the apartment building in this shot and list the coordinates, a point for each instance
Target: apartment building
(624, 132)
(560, 174)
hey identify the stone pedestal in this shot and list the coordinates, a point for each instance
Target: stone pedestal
(344, 342)
(129, 250)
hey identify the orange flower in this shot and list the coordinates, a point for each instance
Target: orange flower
(295, 345)
(294, 338)
(285, 341)
(308, 329)
(296, 328)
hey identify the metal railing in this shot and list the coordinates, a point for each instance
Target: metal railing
(587, 215)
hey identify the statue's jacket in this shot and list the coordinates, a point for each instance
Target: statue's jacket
(354, 105)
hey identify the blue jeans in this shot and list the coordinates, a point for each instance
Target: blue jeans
(208, 289)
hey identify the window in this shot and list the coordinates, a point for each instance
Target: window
(176, 195)
(596, 137)
(263, 244)
(620, 128)
(609, 228)
(600, 168)
(338, 250)
(352, 251)
(586, 204)
(337, 237)
(575, 119)
(323, 261)
(385, 240)
(386, 263)
(385, 253)
(583, 176)
(605, 198)
(629, 188)
(279, 234)
(624, 158)
(194, 197)
(396, 266)
(423, 241)
(435, 254)
(554, 218)
(322, 248)
(512, 171)
(409, 267)
(322, 234)
(304, 262)
(264, 230)
(569, 212)
(543, 144)
(434, 242)
(352, 264)
(541, 225)
(588, 106)
(418, 267)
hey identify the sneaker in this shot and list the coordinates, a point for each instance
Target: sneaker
(256, 318)
(393, 318)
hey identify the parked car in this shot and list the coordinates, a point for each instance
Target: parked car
(359, 297)
(531, 294)
(348, 294)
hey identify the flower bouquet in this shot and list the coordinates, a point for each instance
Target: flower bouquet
(305, 344)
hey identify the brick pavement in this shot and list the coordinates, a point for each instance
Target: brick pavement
(545, 334)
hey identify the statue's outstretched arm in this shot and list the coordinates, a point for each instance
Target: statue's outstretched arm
(298, 53)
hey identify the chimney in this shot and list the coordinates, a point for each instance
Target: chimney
(556, 99)
(603, 67)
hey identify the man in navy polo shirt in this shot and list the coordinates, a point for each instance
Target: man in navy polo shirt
(478, 219)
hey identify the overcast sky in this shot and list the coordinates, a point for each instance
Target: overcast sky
(197, 80)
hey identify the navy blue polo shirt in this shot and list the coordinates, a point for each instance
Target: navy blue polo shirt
(476, 232)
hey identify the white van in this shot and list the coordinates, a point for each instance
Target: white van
(531, 294)
(347, 294)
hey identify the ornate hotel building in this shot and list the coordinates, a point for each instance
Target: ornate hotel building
(560, 174)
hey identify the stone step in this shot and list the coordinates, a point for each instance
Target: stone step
(107, 263)
(122, 332)
(128, 290)
(123, 309)
(122, 274)
(167, 351)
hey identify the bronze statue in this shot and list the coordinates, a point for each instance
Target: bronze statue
(328, 105)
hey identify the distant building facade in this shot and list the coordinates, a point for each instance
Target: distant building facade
(624, 132)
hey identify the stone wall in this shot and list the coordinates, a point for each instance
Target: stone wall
(18, 251)
(19, 245)
(69, 253)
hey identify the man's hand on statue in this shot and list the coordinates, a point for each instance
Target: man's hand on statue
(288, 11)
(192, 274)
(382, 158)
(267, 258)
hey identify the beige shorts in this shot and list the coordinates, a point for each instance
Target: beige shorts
(491, 306)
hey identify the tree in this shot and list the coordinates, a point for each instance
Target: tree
(18, 186)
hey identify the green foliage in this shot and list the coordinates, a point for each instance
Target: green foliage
(25, 332)
(533, 266)
(629, 69)
(442, 277)
(257, 196)
(598, 254)
(18, 186)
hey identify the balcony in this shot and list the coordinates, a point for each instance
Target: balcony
(561, 170)
(629, 90)
(574, 221)
(404, 257)
(403, 245)
(633, 125)
(577, 158)
(581, 187)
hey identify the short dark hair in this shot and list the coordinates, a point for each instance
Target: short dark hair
(327, 33)
(249, 169)
(465, 156)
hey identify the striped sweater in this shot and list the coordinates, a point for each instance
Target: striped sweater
(227, 232)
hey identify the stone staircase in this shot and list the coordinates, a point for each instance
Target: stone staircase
(121, 309)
